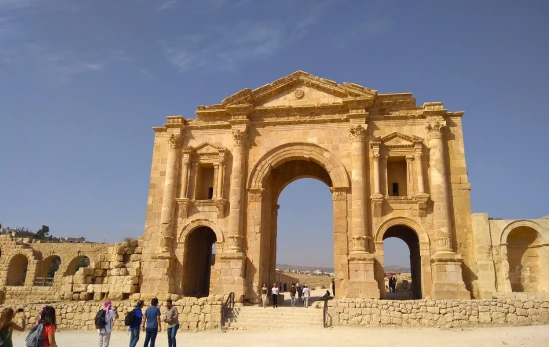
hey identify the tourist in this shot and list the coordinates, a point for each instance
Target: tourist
(300, 293)
(110, 316)
(171, 317)
(326, 296)
(151, 323)
(134, 327)
(306, 295)
(7, 325)
(50, 325)
(279, 286)
(264, 291)
(274, 292)
(39, 316)
(285, 287)
(292, 295)
(333, 286)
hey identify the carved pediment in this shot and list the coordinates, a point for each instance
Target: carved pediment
(207, 149)
(299, 88)
(398, 140)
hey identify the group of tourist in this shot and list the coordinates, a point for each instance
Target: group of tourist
(43, 328)
(303, 293)
(392, 284)
(150, 323)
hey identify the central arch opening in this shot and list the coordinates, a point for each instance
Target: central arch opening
(199, 260)
(404, 289)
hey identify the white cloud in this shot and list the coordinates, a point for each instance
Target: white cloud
(145, 73)
(167, 5)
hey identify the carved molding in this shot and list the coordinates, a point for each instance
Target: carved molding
(220, 204)
(443, 243)
(183, 207)
(360, 243)
(235, 242)
(255, 194)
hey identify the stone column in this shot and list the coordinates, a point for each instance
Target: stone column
(409, 176)
(377, 198)
(215, 173)
(439, 187)
(168, 200)
(419, 172)
(220, 174)
(185, 173)
(240, 137)
(358, 197)
(194, 176)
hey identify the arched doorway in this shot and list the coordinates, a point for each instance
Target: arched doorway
(198, 261)
(396, 266)
(409, 236)
(46, 271)
(17, 270)
(523, 245)
(77, 263)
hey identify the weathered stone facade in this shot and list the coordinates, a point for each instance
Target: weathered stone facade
(395, 169)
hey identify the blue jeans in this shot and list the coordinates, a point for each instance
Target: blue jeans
(292, 300)
(134, 336)
(150, 335)
(171, 335)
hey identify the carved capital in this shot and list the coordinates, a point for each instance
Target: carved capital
(183, 205)
(409, 158)
(235, 242)
(240, 138)
(357, 133)
(256, 194)
(434, 129)
(175, 141)
(339, 194)
(376, 156)
(220, 205)
(222, 153)
(418, 155)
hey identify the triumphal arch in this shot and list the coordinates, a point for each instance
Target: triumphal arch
(395, 169)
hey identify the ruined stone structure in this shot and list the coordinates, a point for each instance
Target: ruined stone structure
(395, 169)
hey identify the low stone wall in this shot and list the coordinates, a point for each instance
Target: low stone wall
(439, 313)
(194, 314)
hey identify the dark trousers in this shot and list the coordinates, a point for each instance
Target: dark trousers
(150, 335)
(171, 335)
(275, 300)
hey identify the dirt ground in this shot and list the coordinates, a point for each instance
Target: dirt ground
(338, 336)
(314, 281)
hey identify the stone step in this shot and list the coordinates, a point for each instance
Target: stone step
(257, 317)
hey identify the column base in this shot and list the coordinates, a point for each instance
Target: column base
(231, 278)
(447, 277)
(362, 283)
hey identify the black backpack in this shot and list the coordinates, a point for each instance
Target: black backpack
(130, 318)
(100, 321)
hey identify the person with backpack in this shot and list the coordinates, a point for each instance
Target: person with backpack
(133, 321)
(104, 321)
(43, 332)
(7, 325)
(151, 323)
(171, 317)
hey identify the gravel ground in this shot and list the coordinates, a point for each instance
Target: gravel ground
(531, 336)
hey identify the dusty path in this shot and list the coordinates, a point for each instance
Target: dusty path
(338, 336)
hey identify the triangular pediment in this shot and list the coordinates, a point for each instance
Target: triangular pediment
(207, 148)
(400, 140)
(298, 88)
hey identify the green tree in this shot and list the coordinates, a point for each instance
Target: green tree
(43, 232)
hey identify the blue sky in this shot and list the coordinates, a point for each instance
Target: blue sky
(83, 82)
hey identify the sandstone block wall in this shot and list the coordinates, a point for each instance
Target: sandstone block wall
(510, 310)
(195, 314)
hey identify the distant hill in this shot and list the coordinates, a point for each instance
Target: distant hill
(282, 267)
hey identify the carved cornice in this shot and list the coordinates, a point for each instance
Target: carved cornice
(357, 133)
(175, 122)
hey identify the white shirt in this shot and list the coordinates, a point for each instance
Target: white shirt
(275, 290)
(109, 321)
(306, 292)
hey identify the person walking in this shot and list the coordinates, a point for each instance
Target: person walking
(274, 292)
(300, 293)
(7, 326)
(306, 296)
(264, 291)
(292, 295)
(151, 323)
(110, 316)
(171, 317)
(333, 286)
(50, 325)
(134, 327)
(285, 287)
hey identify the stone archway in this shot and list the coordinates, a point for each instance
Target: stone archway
(17, 270)
(198, 261)
(523, 249)
(418, 242)
(272, 173)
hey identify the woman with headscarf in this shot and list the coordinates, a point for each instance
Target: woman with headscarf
(7, 326)
(110, 315)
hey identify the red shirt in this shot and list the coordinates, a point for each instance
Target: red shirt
(49, 330)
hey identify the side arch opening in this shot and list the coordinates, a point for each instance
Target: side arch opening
(200, 247)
